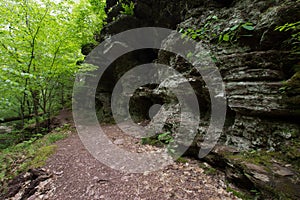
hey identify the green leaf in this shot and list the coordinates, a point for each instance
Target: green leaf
(190, 54)
(220, 38)
(214, 59)
(226, 37)
(165, 137)
(247, 35)
(234, 27)
(247, 27)
(215, 17)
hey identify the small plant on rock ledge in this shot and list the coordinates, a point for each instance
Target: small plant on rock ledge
(211, 31)
(234, 33)
(128, 7)
(291, 86)
(295, 35)
(206, 32)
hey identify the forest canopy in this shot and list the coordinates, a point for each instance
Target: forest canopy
(40, 52)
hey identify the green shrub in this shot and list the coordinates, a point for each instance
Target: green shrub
(128, 8)
(159, 139)
(165, 138)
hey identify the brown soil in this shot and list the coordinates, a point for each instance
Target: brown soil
(78, 175)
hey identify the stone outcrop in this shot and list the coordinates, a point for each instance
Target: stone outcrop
(257, 66)
(33, 184)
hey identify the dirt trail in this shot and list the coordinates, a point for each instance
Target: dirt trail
(78, 175)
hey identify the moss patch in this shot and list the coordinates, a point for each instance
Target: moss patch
(255, 157)
(292, 86)
(265, 160)
(42, 155)
(208, 169)
(290, 153)
(182, 160)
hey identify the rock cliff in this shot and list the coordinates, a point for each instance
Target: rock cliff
(259, 147)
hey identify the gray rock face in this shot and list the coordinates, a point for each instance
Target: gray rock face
(5, 129)
(256, 66)
(250, 132)
(253, 70)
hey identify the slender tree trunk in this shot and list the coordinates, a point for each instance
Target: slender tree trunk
(36, 110)
(62, 99)
(22, 117)
(28, 107)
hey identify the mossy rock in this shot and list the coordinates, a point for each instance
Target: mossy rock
(269, 172)
(292, 86)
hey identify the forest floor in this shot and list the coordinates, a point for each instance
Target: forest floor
(78, 175)
(73, 173)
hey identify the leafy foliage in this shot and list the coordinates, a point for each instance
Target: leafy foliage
(295, 36)
(128, 8)
(159, 139)
(165, 138)
(207, 32)
(211, 31)
(291, 86)
(40, 46)
(234, 33)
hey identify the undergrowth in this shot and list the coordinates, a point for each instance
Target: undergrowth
(32, 153)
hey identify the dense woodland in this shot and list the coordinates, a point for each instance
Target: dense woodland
(41, 44)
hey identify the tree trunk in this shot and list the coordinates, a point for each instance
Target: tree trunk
(36, 109)
(18, 118)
